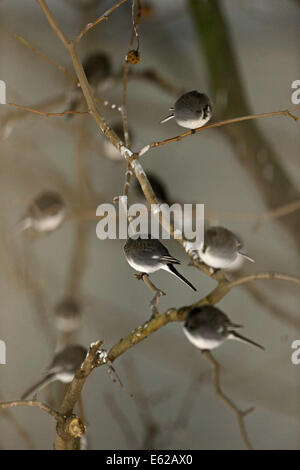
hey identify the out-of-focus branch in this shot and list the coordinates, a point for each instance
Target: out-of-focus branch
(240, 415)
(122, 420)
(44, 113)
(45, 57)
(154, 77)
(7, 414)
(272, 306)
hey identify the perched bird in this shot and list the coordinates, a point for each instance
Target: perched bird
(62, 368)
(67, 314)
(97, 67)
(191, 110)
(45, 214)
(207, 328)
(149, 255)
(109, 149)
(158, 187)
(221, 248)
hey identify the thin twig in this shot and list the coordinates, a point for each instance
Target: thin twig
(45, 57)
(263, 276)
(44, 113)
(53, 23)
(103, 17)
(33, 403)
(284, 112)
(135, 23)
(279, 312)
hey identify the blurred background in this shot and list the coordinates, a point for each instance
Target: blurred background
(245, 55)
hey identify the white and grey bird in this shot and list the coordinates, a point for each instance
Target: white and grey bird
(45, 214)
(62, 368)
(208, 327)
(191, 110)
(221, 248)
(67, 314)
(148, 255)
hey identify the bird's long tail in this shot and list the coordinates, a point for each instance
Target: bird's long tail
(38, 386)
(171, 116)
(174, 271)
(238, 337)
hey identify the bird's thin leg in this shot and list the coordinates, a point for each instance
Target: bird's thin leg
(157, 294)
(140, 276)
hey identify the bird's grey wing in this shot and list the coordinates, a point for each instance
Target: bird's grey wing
(168, 259)
(217, 319)
(68, 359)
(162, 253)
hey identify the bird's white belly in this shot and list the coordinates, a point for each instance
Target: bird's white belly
(216, 261)
(202, 343)
(192, 123)
(65, 377)
(142, 268)
(49, 223)
(67, 324)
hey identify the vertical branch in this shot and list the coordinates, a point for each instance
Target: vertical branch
(135, 24)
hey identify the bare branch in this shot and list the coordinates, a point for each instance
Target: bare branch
(33, 403)
(98, 20)
(284, 112)
(45, 57)
(44, 113)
